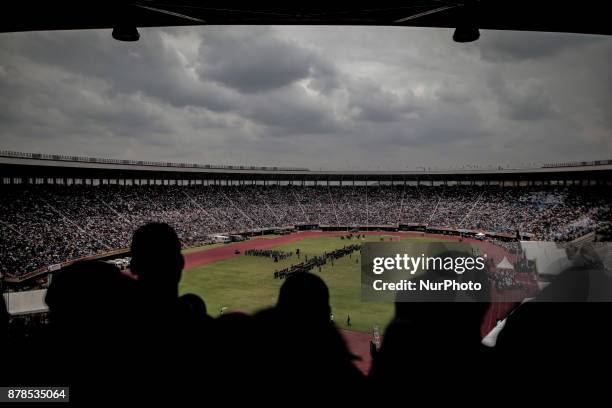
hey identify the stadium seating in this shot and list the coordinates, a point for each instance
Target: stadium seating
(42, 225)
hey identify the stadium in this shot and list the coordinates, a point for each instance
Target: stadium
(363, 237)
(96, 204)
(61, 209)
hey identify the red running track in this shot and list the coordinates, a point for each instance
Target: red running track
(358, 342)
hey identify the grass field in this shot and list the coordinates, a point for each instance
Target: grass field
(246, 282)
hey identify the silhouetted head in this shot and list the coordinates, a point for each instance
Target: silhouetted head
(193, 304)
(305, 297)
(157, 260)
(88, 295)
(192, 312)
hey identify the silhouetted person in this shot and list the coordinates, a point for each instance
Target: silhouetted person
(305, 297)
(302, 345)
(90, 312)
(233, 364)
(193, 314)
(432, 334)
(563, 332)
(157, 261)
(196, 328)
(167, 325)
(87, 295)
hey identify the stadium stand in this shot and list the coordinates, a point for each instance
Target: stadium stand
(43, 225)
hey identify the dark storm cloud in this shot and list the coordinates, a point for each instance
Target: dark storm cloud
(370, 102)
(290, 111)
(257, 61)
(151, 67)
(156, 70)
(324, 77)
(524, 100)
(354, 97)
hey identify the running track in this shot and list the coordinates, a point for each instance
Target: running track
(358, 342)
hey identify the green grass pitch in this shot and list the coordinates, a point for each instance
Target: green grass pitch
(247, 283)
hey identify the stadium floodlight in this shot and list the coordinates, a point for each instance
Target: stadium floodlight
(126, 33)
(466, 34)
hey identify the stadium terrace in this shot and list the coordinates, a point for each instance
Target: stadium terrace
(61, 208)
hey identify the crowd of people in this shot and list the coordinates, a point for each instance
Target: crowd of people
(42, 225)
(341, 252)
(504, 280)
(132, 337)
(316, 261)
(269, 253)
(306, 265)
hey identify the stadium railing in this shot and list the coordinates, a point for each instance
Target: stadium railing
(84, 159)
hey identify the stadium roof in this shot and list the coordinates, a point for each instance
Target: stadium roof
(16, 164)
(584, 17)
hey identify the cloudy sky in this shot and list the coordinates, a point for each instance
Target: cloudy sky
(319, 97)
